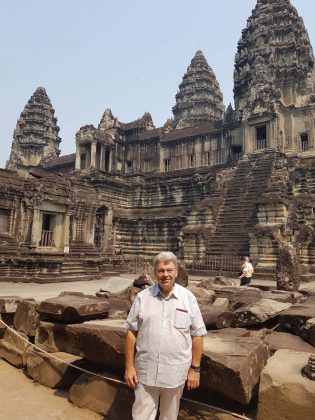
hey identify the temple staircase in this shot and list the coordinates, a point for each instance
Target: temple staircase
(238, 213)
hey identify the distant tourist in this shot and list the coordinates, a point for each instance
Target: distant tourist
(163, 344)
(247, 271)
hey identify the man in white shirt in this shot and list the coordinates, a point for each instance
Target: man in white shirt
(164, 329)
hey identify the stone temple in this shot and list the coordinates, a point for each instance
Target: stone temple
(210, 185)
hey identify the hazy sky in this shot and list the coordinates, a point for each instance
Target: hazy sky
(129, 56)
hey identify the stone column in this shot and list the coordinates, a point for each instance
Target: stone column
(36, 227)
(102, 158)
(66, 229)
(93, 154)
(77, 157)
(109, 159)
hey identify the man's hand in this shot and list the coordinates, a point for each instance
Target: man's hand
(131, 377)
(193, 380)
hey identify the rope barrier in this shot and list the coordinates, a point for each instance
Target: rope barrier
(116, 381)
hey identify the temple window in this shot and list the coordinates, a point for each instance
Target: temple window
(304, 142)
(261, 137)
(209, 158)
(83, 161)
(236, 152)
(48, 224)
(107, 160)
(167, 165)
(129, 168)
(191, 161)
(4, 221)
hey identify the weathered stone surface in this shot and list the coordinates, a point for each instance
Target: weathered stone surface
(194, 411)
(52, 372)
(308, 331)
(238, 296)
(111, 400)
(8, 304)
(131, 295)
(221, 302)
(119, 306)
(283, 392)
(281, 340)
(233, 365)
(287, 271)
(143, 280)
(203, 296)
(101, 342)
(74, 307)
(295, 318)
(283, 296)
(13, 348)
(182, 276)
(216, 317)
(258, 313)
(26, 317)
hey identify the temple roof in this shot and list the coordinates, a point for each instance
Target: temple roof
(274, 58)
(199, 99)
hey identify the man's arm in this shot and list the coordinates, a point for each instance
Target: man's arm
(131, 377)
(193, 378)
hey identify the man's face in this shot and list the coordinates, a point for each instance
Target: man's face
(166, 273)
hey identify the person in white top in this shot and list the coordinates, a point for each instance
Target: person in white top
(163, 345)
(247, 271)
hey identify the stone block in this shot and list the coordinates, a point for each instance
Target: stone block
(258, 313)
(216, 317)
(8, 304)
(73, 307)
(26, 317)
(13, 348)
(284, 393)
(294, 319)
(281, 340)
(203, 296)
(51, 372)
(232, 365)
(192, 410)
(111, 400)
(221, 303)
(101, 342)
(308, 331)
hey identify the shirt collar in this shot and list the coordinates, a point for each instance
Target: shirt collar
(156, 290)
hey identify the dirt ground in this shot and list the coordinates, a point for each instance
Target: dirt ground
(23, 399)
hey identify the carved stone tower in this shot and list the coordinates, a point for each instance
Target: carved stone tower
(274, 60)
(199, 99)
(35, 138)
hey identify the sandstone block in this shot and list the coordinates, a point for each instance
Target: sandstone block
(216, 317)
(294, 319)
(283, 392)
(13, 348)
(281, 340)
(232, 365)
(111, 400)
(26, 317)
(72, 307)
(221, 303)
(51, 372)
(8, 304)
(101, 341)
(308, 331)
(203, 296)
(182, 277)
(258, 313)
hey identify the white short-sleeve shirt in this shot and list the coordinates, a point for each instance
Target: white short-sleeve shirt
(164, 329)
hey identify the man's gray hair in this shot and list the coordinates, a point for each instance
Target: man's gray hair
(165, 256)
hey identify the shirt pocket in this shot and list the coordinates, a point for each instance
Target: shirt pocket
(181, 319)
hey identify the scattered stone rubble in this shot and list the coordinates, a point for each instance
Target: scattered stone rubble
(249, 327)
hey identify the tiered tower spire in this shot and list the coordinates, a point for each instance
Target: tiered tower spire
(35, 138)
(199, 99)
(274, 59)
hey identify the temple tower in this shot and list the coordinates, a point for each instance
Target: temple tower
(35, 138)
(199, 99)
(274, 60)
